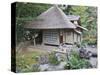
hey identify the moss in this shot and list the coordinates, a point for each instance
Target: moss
(24, 60)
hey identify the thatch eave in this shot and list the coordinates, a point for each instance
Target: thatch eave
(53, 18)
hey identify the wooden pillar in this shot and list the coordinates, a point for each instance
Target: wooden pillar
(61, 36)
(33, 37)
(34, 42)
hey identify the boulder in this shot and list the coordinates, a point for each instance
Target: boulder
(43, 59)
(84, 53)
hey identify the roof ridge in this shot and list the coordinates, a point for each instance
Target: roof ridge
(54, 17)
(64, 16)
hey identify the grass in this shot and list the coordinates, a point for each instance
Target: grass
(25, 59)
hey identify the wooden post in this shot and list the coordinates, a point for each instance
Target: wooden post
(34, 42)
(33, 37)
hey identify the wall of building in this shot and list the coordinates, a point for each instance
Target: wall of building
(51, 37)
(69, 37)
(75, 37)
(79, 38)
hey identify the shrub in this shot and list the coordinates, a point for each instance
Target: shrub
(67, 66)
(20, 63)
(75, 62)
(90, 41)
(33, 68)
(53, 59)
(78, 45)
(24, 62)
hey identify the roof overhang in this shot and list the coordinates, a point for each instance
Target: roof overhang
(82, 27)
(53, 18)
(73, 17)
(77, 31)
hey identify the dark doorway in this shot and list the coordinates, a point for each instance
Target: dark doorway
(61, 38)
(39, 38)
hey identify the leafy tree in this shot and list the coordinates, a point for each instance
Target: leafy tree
(88, 20)
(26, 12)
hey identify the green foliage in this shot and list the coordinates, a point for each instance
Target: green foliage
(53, 59)
(78, 44)
(34, 68)
(26, 12)
(30, 9)
(25, 61)
(91, 41)
(75, 62)
(21, 64)
(88, 19)
(19, 30)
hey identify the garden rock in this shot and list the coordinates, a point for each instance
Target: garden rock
(94, 54)
(84, 53)
(61, 65)
(57, 67)
(44, 67)
(58, 56)
(43, 59)
(64, 47)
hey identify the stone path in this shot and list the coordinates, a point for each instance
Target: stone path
(93, 61)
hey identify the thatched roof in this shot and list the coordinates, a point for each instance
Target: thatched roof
(73, 17)
(53, 18)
